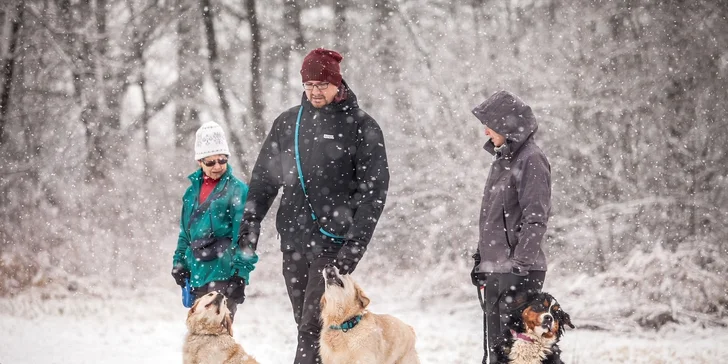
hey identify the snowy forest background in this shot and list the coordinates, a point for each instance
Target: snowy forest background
(100, 100)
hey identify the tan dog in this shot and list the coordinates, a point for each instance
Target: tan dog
(352, 335)
(210, 334)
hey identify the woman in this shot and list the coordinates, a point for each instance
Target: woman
(207, 257)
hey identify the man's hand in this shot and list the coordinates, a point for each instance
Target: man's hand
(349, 256)
(248, 237)
(180, 274)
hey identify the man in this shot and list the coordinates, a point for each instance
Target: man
(514, 211)
(207, 257)
(329, 157)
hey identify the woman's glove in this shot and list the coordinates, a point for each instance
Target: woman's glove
(477, 278)
(180, 274)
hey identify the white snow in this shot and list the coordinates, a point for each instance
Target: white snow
(146, 325)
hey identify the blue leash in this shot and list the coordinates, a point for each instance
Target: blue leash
(336, 238)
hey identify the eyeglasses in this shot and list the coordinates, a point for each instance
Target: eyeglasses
(321, 86)
(221, 161)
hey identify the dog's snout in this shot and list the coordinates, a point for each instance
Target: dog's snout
(331, 276)
(548, 320)
(330, 271)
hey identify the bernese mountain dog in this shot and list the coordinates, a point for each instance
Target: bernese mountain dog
(533, 330)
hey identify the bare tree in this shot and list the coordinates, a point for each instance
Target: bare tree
(208, 19)
(292, 17)
(340, 26)
(256, 87)
(11, 29)
(190, 73)
(293, 42)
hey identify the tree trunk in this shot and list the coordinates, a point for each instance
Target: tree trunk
(8, 56)
(86, 88)
(292, 16)
(189, 83)
(294, 41)
(208, 19)
(256, 88)
(340, 27)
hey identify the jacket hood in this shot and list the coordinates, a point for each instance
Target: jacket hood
(509, 116)
(350, 102)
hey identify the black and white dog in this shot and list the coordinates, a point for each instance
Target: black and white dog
(535, 326)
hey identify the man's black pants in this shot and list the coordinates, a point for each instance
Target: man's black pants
(496, 317)
(305, 284)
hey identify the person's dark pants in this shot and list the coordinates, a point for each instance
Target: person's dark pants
(305, 285)
(496, 317)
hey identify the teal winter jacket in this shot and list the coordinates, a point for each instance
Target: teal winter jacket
(222, 219)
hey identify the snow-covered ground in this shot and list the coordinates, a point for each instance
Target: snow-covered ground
(94, 325)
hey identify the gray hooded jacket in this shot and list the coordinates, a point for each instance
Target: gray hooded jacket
(517, 195)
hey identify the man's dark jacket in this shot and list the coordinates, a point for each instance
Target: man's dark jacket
(344, 165)
(517, 195)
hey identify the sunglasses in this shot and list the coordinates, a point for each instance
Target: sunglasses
(221, 161)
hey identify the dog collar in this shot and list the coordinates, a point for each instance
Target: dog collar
(348, 324)
(521, 336)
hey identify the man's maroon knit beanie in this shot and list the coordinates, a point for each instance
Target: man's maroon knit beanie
(322, 65)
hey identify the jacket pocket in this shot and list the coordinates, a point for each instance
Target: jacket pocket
(505, 230)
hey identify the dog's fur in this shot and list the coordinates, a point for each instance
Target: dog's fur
(535, 326)
(376, 339)
(210, 334)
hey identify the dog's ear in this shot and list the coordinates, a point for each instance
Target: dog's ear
(564, 318)
(361, 296)
(192, 309)
(227, 324)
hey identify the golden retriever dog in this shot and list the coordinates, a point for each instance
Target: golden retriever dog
(210, 334)
(353, 335)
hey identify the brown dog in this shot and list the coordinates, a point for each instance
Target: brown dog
(351, 334)
(210, 334)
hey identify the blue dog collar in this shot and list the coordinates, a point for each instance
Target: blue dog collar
(348, 324)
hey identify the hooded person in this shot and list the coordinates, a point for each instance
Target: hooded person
(328, 157)
(207, 257)
(514, 212)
